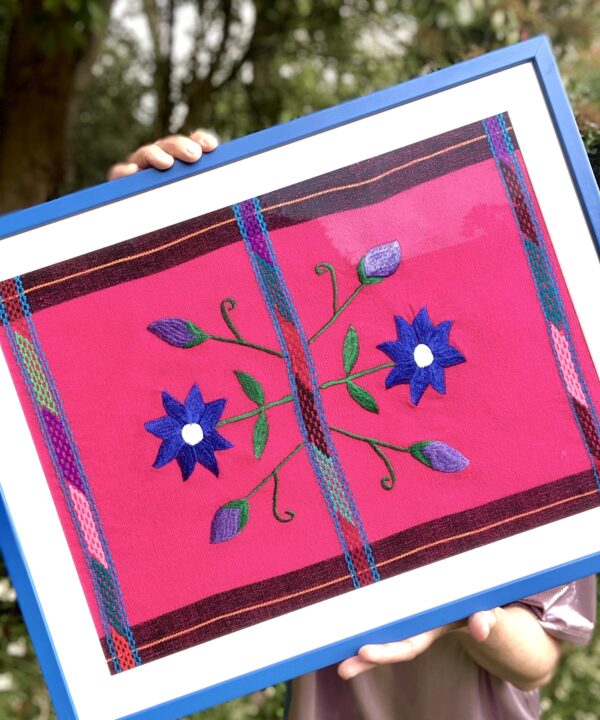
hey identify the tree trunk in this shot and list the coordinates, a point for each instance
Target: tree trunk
(44, 67)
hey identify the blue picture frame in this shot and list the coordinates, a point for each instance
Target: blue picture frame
(536, 51)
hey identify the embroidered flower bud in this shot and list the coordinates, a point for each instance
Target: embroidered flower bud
(177, 332)
(380, 262)
(439, 456)
(229, 521)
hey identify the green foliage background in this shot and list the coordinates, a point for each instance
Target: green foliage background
(295, 56)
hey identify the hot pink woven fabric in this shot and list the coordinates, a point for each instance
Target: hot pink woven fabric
(190, 565)
(504, 409)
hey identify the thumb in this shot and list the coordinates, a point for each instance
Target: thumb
(480, 624)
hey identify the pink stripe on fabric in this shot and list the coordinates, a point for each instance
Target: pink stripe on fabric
(88, 527)
(567, 365)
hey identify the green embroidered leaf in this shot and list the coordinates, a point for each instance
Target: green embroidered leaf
(198, 335)
(362, 397)
(261, 435)
(362, 276)
(416, 451)
(251, 387)
(350, 349)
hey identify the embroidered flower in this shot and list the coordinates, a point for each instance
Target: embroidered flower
(380, 262)
(421, 354)
(439, 456)
(188, 433)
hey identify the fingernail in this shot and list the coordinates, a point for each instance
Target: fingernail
(160, 155)
(209, 139)
(492, 618)
(193, 149)
(372, 654)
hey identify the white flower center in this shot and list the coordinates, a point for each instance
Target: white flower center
(423, 355)
(192, 433)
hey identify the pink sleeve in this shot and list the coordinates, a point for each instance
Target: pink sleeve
(567, 612)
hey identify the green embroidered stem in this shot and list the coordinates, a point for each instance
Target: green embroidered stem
(388, 481)
(323, 268)
(337, 313)
(370, 441)
(275, 471)
(262, 348)
(349, 378)
(226, 305)
(252, 413)
(288, 398)
(290, 514)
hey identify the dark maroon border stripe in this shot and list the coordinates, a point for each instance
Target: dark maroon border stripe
(392, 184)
(449, 531)
(132, 269)
(227, 234)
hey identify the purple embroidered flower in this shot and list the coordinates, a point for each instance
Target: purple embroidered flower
(177, 332)
(229, 520)
(188, 432)
(439, 456)
(421, 353)
(380, 262)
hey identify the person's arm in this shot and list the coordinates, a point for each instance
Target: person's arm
(162, 153)
(508, 642)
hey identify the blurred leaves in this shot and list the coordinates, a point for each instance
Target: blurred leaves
(23, 694)
(111, 121)
(574, 694)
(238, 66)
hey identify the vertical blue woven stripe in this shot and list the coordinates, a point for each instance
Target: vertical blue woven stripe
(296, 403)
(539, 235)
(64, 485)
(267, 294)
(544, 250)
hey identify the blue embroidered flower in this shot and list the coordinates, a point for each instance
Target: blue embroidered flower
(189, 432)
(421, 353)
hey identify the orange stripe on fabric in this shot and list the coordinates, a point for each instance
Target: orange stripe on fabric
(382, 175)
(295, 201)
(451, 538)
(468, 533)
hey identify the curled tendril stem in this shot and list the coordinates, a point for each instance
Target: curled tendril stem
(388, 481)
(227, 305)
(323, 268)
(290, 514)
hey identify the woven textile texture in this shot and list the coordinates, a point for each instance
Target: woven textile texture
(307, 392)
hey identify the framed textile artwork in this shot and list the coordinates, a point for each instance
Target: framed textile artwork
(246, 404)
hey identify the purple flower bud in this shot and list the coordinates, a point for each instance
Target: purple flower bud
(177, 332)
(380, 262)
(439, 456)
(229, 521)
